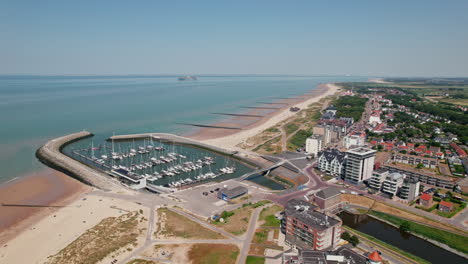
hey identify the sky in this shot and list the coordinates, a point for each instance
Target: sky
(370, 38)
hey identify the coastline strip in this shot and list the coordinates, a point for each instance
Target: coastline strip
(247, 115)
(261, 107)
(208, 126)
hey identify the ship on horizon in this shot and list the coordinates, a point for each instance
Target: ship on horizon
(187, 78)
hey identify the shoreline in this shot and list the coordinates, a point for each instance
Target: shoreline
(48, 187)
(33, 193)
(231, 139)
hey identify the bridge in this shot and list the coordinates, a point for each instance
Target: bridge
(261, 170)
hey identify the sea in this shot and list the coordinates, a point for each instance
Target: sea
(35, 109)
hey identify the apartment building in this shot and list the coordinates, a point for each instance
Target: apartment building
(309, 229)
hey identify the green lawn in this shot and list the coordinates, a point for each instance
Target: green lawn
(255, 260)
(452, 240)
(268, 215)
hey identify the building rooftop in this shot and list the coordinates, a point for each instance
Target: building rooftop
(236, 191)
(342, 255)
(332, 154)
(446, 204)
(361, 151)
(375, 256)
(315, 136)
(395, 176)
(426, 197)
(303, 211)
(328, 193)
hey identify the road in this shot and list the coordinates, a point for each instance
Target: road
(248, 236)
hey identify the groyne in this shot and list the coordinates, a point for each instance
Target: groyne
(51, 155)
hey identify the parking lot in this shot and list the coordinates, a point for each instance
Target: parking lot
(208, 204)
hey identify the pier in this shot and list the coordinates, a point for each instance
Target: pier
(51, 155)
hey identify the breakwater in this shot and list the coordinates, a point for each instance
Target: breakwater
(51, 155)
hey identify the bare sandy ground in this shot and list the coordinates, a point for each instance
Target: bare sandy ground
(231, 141)
(25, 200)
(54, 232)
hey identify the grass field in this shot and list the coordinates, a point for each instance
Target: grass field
(255, 260)
(213, 254)
(454, 241)
(385, 208)
(238, 219)
(107, 237)
(388, 246)
(268, 215)
(171, 224)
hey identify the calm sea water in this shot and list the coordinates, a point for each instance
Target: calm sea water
(36, 109)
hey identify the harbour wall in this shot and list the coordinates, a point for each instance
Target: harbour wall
(51, 155)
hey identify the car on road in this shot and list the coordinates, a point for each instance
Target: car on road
(205, 193)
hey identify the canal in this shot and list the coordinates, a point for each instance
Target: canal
(407, 242)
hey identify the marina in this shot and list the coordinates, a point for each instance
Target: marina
(149, 161)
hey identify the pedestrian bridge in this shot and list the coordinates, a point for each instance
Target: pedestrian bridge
(262, 170)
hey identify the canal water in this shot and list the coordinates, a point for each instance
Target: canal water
(404, 241)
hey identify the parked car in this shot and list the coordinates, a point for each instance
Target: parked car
(205, 193)
(217, 190)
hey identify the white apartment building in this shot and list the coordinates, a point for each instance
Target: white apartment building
(332, 161)
(359, 164)
(392, 183)
(314, 144)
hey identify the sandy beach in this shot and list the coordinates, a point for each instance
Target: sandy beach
(229, 139)
(25, 200)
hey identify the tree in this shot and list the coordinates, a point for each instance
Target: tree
(405, 227)
(346, 236)
(354, 240)
(420, 166)
(380, 147)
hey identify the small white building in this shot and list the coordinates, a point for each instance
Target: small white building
(354, 140)
(314, 144)
(378, 177)
(410, 189)
(375, 119)
(392, 183)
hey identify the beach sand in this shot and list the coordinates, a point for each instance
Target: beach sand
(26, 228)
(46, 187)
(54, 232)
(229, 139)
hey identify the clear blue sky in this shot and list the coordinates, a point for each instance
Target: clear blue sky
(382, 38)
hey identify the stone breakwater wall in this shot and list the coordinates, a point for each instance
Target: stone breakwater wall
(51, 155)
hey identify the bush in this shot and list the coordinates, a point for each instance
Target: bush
(405, 227)
(346, 236)
(354, 240)
(226, 214)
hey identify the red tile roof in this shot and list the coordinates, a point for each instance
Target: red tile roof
(375, 256)
(426, 197)
(446, 204)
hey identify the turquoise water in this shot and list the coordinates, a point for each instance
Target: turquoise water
(35, 109)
